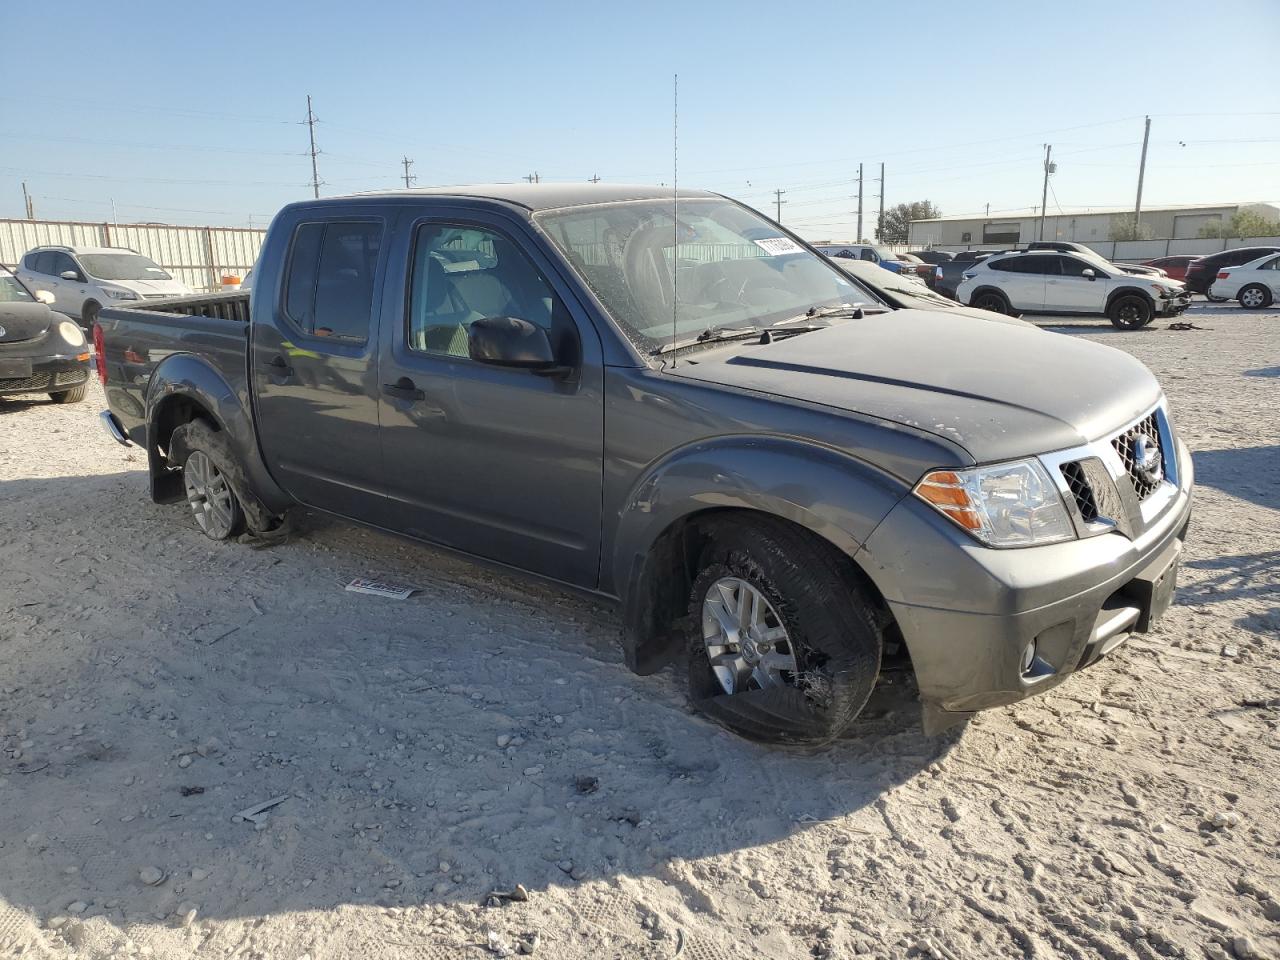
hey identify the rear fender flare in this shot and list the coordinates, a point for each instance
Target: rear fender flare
(186, 378)
(830, 493)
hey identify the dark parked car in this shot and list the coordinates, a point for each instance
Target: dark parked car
(933, 257)
(1175, 266)
(947, 275)
(40, 351)
(1202, 271)
(1070, 246)
(774, 475)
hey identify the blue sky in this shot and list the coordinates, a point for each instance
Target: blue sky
(190, 113)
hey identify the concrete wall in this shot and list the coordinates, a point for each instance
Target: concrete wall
(198, 256)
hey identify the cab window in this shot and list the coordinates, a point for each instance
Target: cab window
(329, 285)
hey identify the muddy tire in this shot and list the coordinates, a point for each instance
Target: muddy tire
(208, 463)
(74, 395)
(89, 316)
(784, 644)
(1129, 311)
(1254, 297)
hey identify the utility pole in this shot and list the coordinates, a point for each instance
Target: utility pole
(1044, 196)
(26, 202)
(532, 177)
(409, 178)
(858, 238)
(311, 129)
(988, 209)
(777, 199)
(880, 221)
(1142, 170)
(595, 178)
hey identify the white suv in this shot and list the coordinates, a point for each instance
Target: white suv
(82, 279)
(1053, 282)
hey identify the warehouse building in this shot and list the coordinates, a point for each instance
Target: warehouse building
(1085, 226)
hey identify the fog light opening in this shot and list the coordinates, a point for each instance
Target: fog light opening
(1028, 657)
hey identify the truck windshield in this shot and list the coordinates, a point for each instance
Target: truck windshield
(11, 291)
(122, 266)
(716, 264)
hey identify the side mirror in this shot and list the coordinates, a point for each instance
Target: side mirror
(512, 342)
(69, 275)
(1088, 272)
(44, 296)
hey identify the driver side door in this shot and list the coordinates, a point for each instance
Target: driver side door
(499, 462)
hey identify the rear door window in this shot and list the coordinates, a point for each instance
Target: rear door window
(329, 286)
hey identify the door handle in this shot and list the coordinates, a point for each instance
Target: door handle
(278, 367)
(403, 389)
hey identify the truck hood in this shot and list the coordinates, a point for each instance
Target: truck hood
(999, 391)
(24, 321)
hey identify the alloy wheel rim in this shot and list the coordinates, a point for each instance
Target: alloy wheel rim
(1251, 298)
(746, 642)
(1130, 314)
(209, 495)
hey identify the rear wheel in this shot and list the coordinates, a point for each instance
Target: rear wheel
(1130, 312)
(1255, 297)
(992, 300)
(785, 646)
(205, 469)
(74, 395)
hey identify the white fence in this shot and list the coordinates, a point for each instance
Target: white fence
(198, 256)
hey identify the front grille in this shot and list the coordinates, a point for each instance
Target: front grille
(65, 377)
(1081, 490)
(1126, 444)
(33, 384)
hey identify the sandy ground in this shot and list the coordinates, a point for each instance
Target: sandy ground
(484, 734)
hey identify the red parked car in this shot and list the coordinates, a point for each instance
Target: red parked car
(1175, 266)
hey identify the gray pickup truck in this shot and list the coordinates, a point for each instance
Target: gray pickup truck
(676, 404)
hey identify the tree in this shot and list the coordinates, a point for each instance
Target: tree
(1243, 223)
(898, 217)
(1124, 226)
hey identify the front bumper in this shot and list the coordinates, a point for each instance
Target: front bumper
(42, 374)
(1173, 306)
(968, 613)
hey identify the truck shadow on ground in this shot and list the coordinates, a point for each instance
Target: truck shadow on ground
(481, 734)
(1244, 472)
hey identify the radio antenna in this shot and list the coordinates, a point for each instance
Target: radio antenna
(675, 194)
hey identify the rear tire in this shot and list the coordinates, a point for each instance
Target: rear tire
(74, 395)
(207, 462)
(802, 650)
(992, 300)
(1130, 312)
(1255, 297)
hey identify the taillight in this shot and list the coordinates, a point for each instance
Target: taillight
(937, 273)
(1222, 274)
(100, 350)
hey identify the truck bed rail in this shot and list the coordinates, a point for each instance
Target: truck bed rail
(225, 306)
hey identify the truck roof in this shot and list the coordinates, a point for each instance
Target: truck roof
(538, 196)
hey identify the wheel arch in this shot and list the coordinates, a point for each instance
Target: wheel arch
(183, 388)
(987, 288)
(834, 498)
(1125, 291)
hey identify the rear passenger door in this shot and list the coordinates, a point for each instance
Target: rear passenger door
(314, 362)
(499, 462)
(1022, 280)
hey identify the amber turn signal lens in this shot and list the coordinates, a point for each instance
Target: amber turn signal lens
(82, 356)
(944, 489)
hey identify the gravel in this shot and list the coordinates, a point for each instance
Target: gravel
(1047, 828)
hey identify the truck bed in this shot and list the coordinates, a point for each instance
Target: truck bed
(138, 337)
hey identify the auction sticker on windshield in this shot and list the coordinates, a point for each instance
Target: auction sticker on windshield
(777, 246)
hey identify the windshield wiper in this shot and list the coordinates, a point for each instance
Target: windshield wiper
(853, 310)
(710, 335)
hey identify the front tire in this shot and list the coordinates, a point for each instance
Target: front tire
(1255, 297)
(204, 459)
(89, 316)
(1130, 312)
(785, 645)
(74, 395)
(992, 300)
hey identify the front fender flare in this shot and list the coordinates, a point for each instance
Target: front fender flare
(836, 496)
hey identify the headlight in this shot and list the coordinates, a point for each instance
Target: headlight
(119, 294)
(1002, 505)
(71, 333)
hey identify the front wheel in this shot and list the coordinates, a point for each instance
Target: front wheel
(785, 646)
(1255, 297)
(89, 316)
(205, 468)
(1130, 312)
